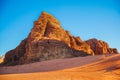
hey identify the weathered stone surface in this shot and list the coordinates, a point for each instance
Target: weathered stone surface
(42, 50)
(48, 27)
(100, 47)
(47, 40)
(15, 55)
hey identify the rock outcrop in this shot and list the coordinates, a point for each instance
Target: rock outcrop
(100, 47)
(47, 27)
(47, 40)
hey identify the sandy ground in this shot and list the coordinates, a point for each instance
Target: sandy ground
(81, 68)
(50, 65)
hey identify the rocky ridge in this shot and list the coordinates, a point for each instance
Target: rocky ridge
(48, 40)
(100, 47)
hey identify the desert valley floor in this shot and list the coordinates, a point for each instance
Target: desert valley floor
(97, 67)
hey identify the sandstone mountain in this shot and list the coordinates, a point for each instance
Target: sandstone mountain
(47, 40)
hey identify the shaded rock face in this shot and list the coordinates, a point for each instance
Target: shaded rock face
(100, 47)
(53, 49)
(15, 55)
(42, 50)
(47, 40)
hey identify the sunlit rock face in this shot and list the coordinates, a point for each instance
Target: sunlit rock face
(100, 47)
(1, 58)
(48, 40)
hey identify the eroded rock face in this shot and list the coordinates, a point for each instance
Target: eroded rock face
(52, 49)
(100, 47)
(47, 27)
(15, 55)
(47, 40)
(44, 49)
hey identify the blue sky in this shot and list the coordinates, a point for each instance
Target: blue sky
(85, 18)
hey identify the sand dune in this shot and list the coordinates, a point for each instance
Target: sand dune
(81, 68)
(50, 65)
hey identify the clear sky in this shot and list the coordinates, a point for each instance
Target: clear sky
(85, 18)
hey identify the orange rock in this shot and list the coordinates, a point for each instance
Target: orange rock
(48, 40)
(100, 47)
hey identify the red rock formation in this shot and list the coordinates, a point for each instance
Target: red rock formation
(47, 40)
(100, 47)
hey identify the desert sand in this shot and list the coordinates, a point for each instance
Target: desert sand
(97, 67)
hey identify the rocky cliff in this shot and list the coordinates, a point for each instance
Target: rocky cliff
(48, 40)
(100, 47)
